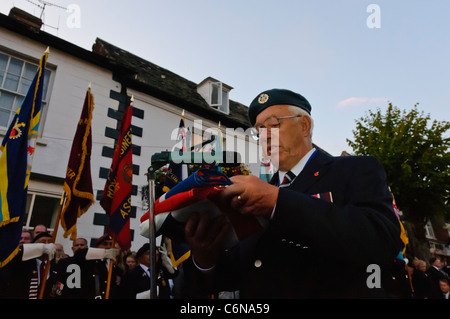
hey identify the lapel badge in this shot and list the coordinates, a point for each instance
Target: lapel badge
(316, 174)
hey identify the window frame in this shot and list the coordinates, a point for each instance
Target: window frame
(212, 87)
(29, 212)
(223, 101)
(48, 85)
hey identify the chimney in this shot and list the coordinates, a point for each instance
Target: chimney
(25, 18)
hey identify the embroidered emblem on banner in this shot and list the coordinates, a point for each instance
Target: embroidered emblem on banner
(16, 132)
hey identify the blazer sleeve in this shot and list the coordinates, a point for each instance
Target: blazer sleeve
(361, 229)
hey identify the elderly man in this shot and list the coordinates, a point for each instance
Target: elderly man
(331, 229)
(23, 276)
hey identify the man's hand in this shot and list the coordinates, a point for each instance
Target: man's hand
(205, 235)
(250, 195)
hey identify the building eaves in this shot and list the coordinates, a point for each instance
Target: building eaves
(52, 41)
(161, 83)
(137, 73)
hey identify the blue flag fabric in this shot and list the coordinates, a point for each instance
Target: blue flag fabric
(201, 178)
(17, 149)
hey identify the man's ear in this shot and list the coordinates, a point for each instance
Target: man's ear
(305, 125)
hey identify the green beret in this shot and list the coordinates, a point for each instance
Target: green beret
(276, 97)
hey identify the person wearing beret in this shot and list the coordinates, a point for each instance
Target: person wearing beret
(136, 283)
(22, 277)
(93, 265)
(331, 231)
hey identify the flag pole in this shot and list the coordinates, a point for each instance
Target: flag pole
(111, 262)
(152, 235)
(55, 231)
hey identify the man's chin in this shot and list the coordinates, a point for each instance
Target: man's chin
(274, 158)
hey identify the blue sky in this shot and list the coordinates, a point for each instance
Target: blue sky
(322, 49)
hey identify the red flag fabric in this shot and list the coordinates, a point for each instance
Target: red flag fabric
(78, 191)
(116, 199)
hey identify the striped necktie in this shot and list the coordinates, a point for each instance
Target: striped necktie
(287, 180)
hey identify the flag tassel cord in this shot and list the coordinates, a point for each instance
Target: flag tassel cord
(55, 231)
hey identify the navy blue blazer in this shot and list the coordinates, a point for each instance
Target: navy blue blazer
(329, 225)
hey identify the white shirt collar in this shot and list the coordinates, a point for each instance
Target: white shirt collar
(145, 268)
(297, 169)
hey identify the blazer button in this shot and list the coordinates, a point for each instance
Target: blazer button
(258, 263)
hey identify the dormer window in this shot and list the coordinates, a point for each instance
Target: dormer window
(215, 94)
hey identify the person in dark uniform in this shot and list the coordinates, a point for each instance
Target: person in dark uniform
(136, 283)
(93, 268)
(435, 274)
(22, 277)
(330, 226)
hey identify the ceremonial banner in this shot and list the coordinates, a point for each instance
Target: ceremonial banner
(78, 190)
(177, 171)
(116, 199)
(403, 235)
(17, 152)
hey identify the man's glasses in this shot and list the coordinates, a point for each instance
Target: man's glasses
(270, 123)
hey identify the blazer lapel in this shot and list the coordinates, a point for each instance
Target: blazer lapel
(312, 172)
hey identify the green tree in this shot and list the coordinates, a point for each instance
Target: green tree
(414, 152)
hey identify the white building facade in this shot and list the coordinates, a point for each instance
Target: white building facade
(114, 75)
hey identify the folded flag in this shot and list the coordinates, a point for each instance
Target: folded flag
(170, 207)
(199, 185)
(193, 194)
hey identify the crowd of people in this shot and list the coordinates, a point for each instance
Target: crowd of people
(84, 275)
(87, 274)
(429, 282)
(326, 219)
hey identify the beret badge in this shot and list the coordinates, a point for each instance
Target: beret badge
(263, 98)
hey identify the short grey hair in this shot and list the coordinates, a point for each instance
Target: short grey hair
(298, 111)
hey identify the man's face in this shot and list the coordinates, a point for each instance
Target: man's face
(285, 145)
(444, 287)
(39, 229)
(79, 243)
(25, 238)
(106, 244)
(437, 263)
(145, 258)
(44, 240)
